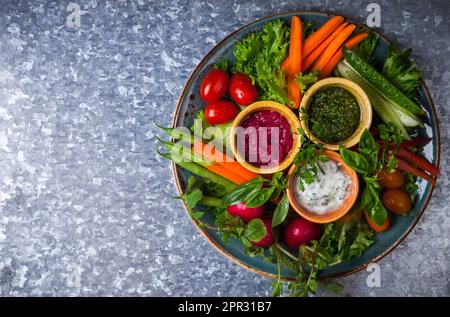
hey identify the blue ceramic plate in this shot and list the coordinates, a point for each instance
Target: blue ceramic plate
(190, 102)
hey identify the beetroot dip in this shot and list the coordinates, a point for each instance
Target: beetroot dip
(267, 119)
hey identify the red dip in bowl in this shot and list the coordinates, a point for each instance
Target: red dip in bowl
(259, 146)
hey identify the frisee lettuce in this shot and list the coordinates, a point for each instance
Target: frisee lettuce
(401, 71)
(260, 54)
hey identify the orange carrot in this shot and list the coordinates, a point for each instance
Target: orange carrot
(350, 43)
(311, 58)
(293, 91)
(285, 65)
(222, 171)
(211, 153)
(333, 47)
(295, 47)
(321, 34)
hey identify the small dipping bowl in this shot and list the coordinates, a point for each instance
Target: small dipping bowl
(361, 98)
(292, 120)
(334, 214)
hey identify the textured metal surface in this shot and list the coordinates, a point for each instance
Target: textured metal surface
(85, 205)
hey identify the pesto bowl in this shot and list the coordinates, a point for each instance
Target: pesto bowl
(363, 101)
(190, 103)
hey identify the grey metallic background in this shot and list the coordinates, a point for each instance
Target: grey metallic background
(85, 203)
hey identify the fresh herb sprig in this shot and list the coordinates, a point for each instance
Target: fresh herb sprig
(257, 191)
(366, 164)
(307, 160)
(339, 242)
(391, 137)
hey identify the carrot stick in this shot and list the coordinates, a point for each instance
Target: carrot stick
(293, 91)
(295, 47)
(351, 43)
(222, 171)
(321, 34)
(212, 154)
(311, 58)
(333, 47)
(285, 65)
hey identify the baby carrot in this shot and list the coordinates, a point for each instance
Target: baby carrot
(311, 58)
(351, 43)
(321, 34)
(223, 160)
(333, 47)
(295, 47)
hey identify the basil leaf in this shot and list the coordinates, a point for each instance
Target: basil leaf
(281, 211)
(355, 161)
(372, 205)
(369, 149)
(278, 180)
(260, 198)
(255, 230)
(241, 193)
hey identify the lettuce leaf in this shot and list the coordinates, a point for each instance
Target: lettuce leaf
(260, 54)
(401, 71)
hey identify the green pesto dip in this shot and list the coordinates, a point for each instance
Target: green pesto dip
(333, 114)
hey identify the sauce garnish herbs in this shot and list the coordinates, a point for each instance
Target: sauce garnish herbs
(328, 190)
(333, 114)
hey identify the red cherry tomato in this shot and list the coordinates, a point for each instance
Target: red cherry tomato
(268, 238)
(245, 213)
(242, 90)
(301, 231)
(214, 85)
(220, 112)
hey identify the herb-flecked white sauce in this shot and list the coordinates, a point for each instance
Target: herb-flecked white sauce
(327, 192)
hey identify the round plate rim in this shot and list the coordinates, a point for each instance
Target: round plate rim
(225, 252)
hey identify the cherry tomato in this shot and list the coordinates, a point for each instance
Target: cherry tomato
(268, 238)
(397, 201)
(242, 90)
(245, 213)
(214, 85)
(220, 112)
(376, 227)
(301, 231)
(390, 180)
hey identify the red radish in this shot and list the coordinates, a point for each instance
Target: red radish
(301, 231)
(214, 85)
(220, 112)
(245, 213)
(242, 90)
(268, 239)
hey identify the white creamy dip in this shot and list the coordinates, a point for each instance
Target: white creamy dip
(327, 192)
